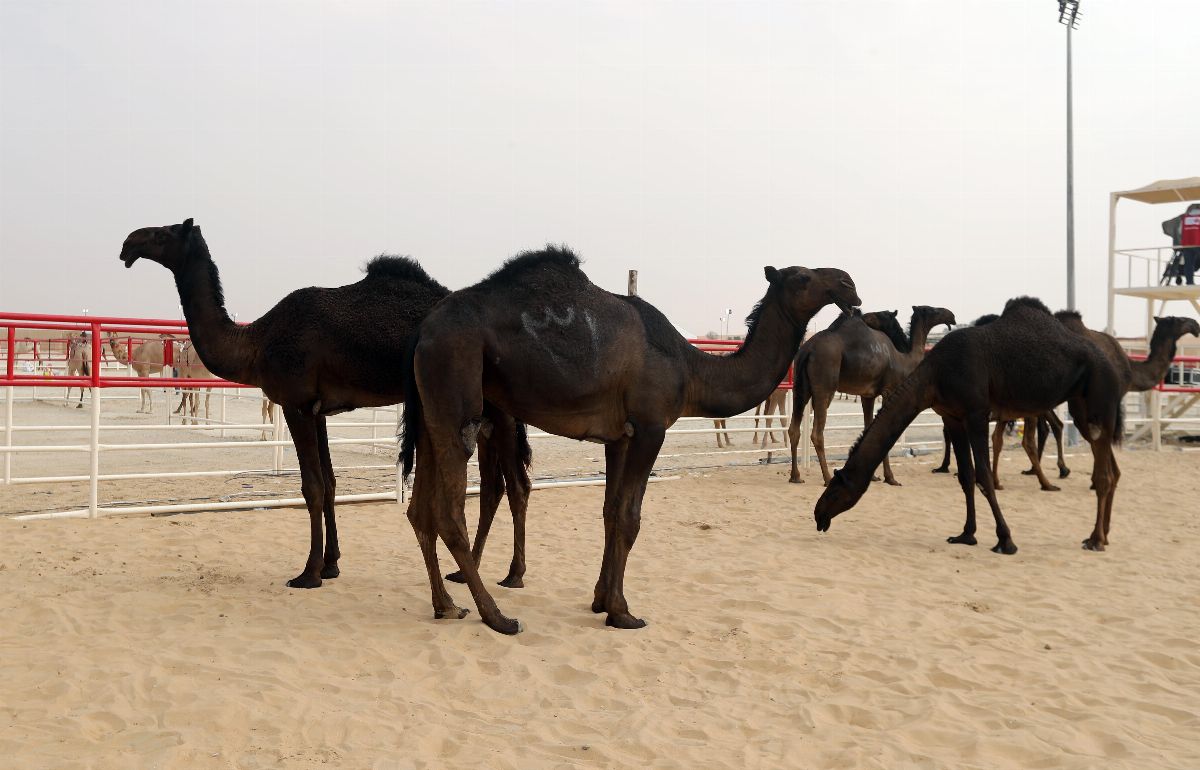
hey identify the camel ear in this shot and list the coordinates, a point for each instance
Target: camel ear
(185, 228)
(1157, 320)
(771, 273)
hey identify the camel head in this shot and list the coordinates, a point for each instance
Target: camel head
(165, 245)
(839, 496)
(803, 291)
(1176, 327)
(932, 315)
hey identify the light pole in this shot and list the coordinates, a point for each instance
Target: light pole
(1068, 16)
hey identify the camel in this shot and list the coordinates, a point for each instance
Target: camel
(267, 419)
(23, 346)
(147, 358)
(79, 361)
(538, 340)
(855, 358)
(721, 427)
(320, 352)
(188, 364)
(1025, 362)
(1134, 376)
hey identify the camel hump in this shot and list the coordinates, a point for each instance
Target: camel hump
(1027, 302)
(400, 268)
(512, 272)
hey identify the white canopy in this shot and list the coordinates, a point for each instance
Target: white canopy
(1164, 191)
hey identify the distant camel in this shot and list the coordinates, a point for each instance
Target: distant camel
(189, 365)
(267, 418)
(79, 361)
(148, 358)
(776, 403)
(852, 357)
(320, 352)
(1025, 362)
(23, 346)
(540, 341)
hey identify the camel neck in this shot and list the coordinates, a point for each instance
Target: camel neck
(920, 335)
(220, 343)
(1148, 373)
(722, 386)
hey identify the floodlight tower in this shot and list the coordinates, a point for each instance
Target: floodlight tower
(1068, 16)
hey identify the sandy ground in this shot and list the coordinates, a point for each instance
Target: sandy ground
(173, 643)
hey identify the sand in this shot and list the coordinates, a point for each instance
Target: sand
(173, 643)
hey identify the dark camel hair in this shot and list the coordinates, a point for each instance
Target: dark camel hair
(1025, 363)
(541, 342)
(852, 357)
(320, 352)
(1047, 422)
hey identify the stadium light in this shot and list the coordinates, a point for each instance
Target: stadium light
(1068, 16)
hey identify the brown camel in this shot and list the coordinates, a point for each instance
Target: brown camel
(319, 352)
(79, 361)
(1026, 362)
(188, 364)
(147, 358)
(852, 357)
(541, 342)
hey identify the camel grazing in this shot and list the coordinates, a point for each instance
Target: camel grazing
(79, 361)
(775, 404)
(1025, 362)
(852, 357)
(320, 352)
(147, 358)
(540, 341)
(189, 365)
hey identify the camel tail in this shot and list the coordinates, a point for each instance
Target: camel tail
(524, 451)
(801, 388)
(410, 428)
(87, 369)
(1119, 433)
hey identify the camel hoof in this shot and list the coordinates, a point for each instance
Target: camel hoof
(456, 577)
(512, 581)
(304, 580)
(330, 571)
(1092, 545)
(624, 620)
(1051, 488)
(941, 470)
(454, 613)
(506, 626)
(997, 486)
(876, 478)
(1030, 472)
(1007, 547)
(79, 406)
(1064, 472)
(893, 483)
(963, 539)
(598, 605)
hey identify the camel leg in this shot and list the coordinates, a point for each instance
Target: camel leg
(758, 410)
(421, 517)
(1056, 427)
(793, 432)
(956, 433)
(1103, 480)
(491, 490)
(997, 446)
(1115, 476)
(977, 431)
(1029, 443)
(820, 410)
(517, 486)
(333, 553)
(945, 466)
(304, 437)
(623, 516)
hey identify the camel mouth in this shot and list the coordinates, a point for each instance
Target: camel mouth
(129, 259)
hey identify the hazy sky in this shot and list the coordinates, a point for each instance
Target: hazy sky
(918, 145)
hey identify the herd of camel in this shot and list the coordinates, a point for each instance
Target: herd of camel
(536, 343)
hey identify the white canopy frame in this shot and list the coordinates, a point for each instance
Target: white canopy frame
(1163, 191)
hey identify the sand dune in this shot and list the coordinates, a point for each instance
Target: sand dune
(173, 643)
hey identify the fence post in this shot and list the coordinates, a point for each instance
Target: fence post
(10, 370)
(94, 480)
(1157, 425)
(277, 435)
(632, 283)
